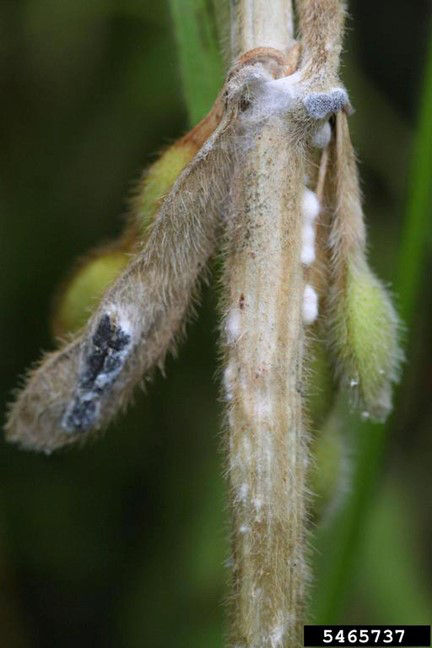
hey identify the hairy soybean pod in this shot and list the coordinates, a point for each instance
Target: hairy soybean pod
(77, 390)
(362, 325)
(81, 292)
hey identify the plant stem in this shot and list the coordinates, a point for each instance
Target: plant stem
(261, 23)
(264, 334)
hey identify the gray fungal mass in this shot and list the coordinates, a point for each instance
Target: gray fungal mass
(103, 360)
(104, 355)
(320, 105)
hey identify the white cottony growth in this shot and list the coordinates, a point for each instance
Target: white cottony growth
(322, 136)
(276, 637)
(270, 97)
(257, 502)
(310, 206)
(279, 95)
(243, 492)
(232, 326)
(308, 234)
(283, 95)
(310, 305)
(262, 407)
(229, 375)
(307, 255)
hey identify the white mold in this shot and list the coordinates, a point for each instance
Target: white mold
(310, 305)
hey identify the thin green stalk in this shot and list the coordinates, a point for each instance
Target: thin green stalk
(417, 223)
(338, 544)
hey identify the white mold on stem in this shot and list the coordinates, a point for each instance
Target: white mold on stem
(228, 381)
(310, 305)
(321, 137)
(310, 206)
(233, 326)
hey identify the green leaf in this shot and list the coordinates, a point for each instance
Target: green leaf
(201, 65)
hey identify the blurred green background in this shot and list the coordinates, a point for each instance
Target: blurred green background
(123, 543)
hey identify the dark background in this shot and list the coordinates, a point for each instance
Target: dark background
(123, 543)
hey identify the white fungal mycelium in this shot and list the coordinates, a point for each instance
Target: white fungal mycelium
(310, 305)
(244, 528)
(233, 326)
(322, 136)
(243, 492)
(262, 408)
(310, 206)
(277, 635)
(279, 95)
(228, 379)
